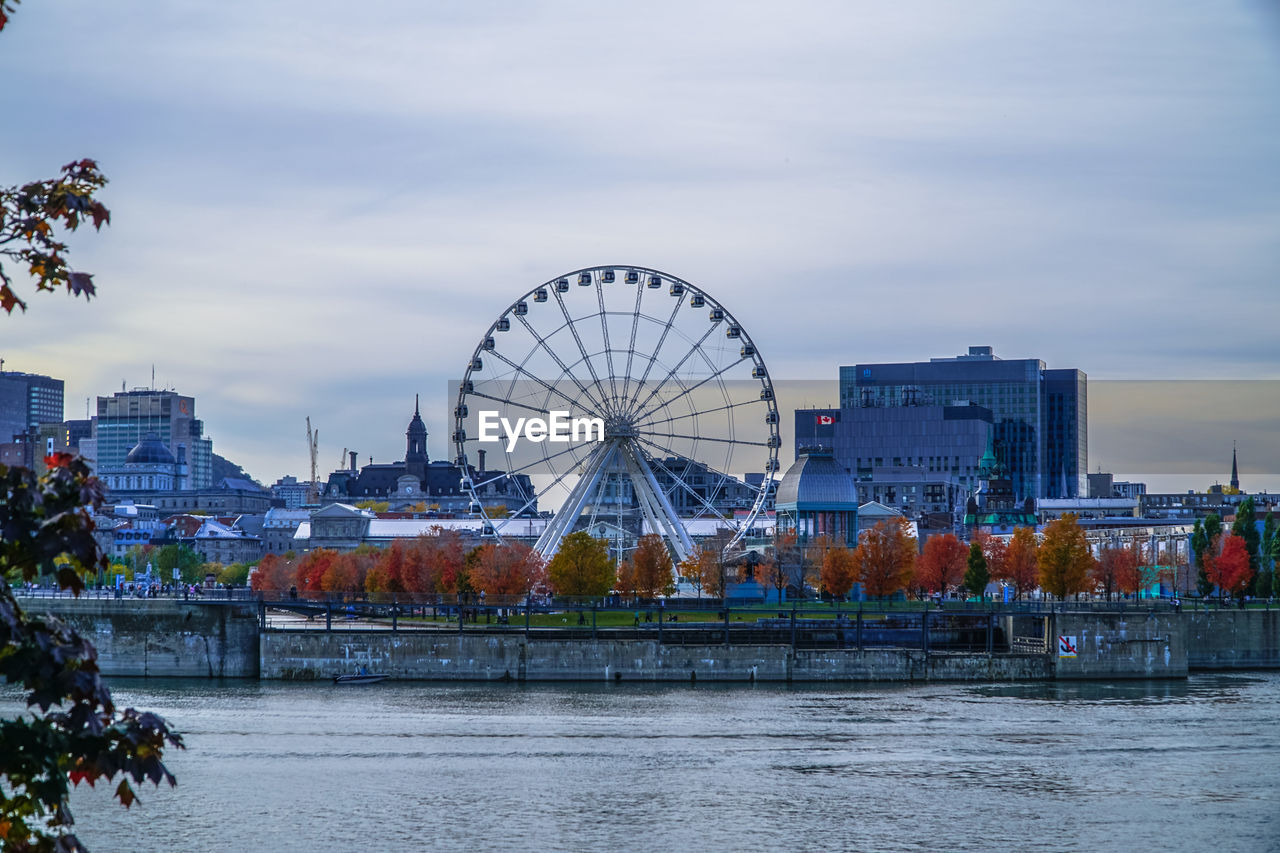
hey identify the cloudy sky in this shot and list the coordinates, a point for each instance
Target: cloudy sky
(318, 208)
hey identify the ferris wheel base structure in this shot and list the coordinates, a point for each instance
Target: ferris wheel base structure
(682, 391)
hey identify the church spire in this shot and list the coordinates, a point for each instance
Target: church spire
(416, 449)
(987, 464)
(1235, 471)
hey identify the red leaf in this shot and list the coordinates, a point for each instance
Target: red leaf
(80, 282)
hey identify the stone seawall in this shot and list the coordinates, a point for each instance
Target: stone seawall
(221, 639)
(163, 637)
(1135, 644)
(1233, 639)
(306, 655)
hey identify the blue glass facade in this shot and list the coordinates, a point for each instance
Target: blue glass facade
(1039, 416)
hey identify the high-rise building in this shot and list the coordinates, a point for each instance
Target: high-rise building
(125, 418)
(27, 400)
(1039, 416)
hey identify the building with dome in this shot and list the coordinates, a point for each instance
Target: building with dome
(818, 497)
(152, 475)
(149, 466)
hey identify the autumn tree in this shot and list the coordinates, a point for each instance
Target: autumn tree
(582, 566)
(786, 566)
(885, 557)
(275, 573)
(941, 565)
(699, 568)
(996, 551)
(311, 569)
(652, 562)
(511, 569)
(1230, 570)
(839, 571)
(1065, 558)
(1115, 569)
(76, 733)
(977, 575)
(1022, 561)
(30, 216)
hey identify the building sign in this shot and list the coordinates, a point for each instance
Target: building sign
(1066, 647)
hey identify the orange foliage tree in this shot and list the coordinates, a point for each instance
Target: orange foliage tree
(274, 574)
(839, 571)
(1230, 570)
(1065, 558)
(1115, 569)
(941, 566)
(345, 573)
(512, 569)
(699, 569)
(312, 566)
(652, 562)
(886, 557)
(1022, 561)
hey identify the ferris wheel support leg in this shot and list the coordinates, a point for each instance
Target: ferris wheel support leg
(646, 483)
(563, 521)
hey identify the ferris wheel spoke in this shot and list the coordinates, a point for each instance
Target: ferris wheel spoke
(741, 441)
(687, 391)
(519, 368)
(631, 348)
(542, 342)
(509, 402)
(679, 481)
(608, 352)
(557, 481)
(573, 329)
(696, 413)
(510, 472)
(666, 330)
(638, 409)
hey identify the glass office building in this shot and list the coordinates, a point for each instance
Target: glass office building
(28, 400)
(1039, 416)
(124, 418)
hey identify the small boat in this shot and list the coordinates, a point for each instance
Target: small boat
(361, 678)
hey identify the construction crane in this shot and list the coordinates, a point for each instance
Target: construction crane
(313, 441)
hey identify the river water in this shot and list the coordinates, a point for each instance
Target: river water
(1181, 765)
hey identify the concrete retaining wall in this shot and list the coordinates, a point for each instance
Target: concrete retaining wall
(1233, 639)
(175, 638)
(1121, 645)
(163, 637)
(314, 654)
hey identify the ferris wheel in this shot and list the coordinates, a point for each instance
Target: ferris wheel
(628, 396)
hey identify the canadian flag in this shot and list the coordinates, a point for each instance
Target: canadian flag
(825, 420)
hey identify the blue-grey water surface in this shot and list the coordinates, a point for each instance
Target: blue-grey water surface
(1191, 765)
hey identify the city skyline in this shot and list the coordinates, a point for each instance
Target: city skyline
(311, 210)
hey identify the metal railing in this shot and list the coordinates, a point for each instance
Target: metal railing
(669, 623)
